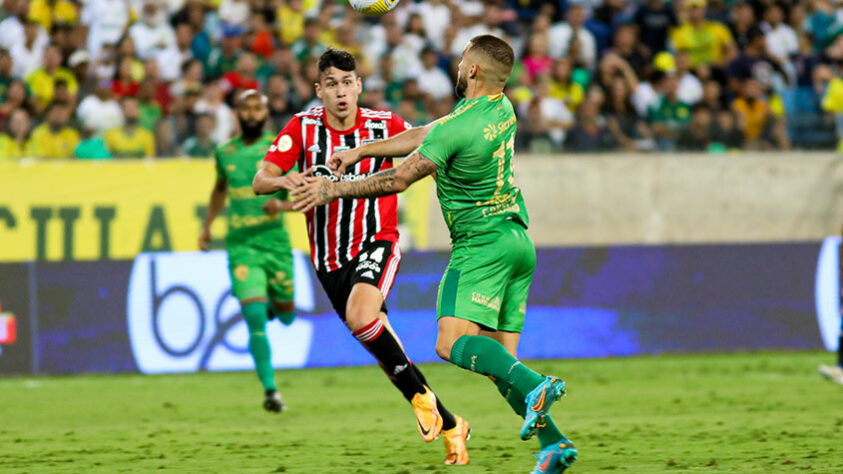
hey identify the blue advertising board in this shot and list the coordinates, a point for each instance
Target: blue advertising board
(173, 312)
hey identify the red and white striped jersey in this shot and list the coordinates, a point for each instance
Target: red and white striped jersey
(339, 230)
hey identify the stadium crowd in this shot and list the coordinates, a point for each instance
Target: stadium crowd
(156, 78)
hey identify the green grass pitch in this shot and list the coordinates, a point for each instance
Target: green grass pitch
(768, 412)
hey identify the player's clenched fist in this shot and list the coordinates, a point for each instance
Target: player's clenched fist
(341, 160)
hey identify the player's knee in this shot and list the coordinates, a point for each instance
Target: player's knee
(443, 349)
(357, 318)
(255, 315)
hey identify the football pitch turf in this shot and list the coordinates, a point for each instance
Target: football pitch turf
(741, 413)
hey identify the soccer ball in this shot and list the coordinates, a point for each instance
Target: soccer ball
(373, 7)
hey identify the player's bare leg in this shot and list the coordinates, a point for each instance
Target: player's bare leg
(255, 313)
(366, 321)
(465, 344)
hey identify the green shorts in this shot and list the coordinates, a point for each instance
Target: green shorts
(261, 267)
(488, 278)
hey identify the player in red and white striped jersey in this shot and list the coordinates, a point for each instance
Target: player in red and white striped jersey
(354, 242)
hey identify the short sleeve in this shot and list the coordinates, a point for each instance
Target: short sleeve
(287, 146)
(443, 141)
(217, 165)
(396, 125)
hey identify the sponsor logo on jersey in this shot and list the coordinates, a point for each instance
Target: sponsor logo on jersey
(378, 125)
(182, 317)
(310, 121)
(489, 302)
(325, 172)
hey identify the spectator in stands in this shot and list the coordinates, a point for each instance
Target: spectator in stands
(261, 41)
(563, 34)
(690, 87)
(414, 103)
(150, 109)
(92, 146)
(243, 77)
(433, 80)
(535, 58)
(54, 139)
(130, 140)
(53, 13)
(590, 134)
(166, 141)
(712, 98)
(755, 63)
(291, 21)
(42, 81)
(782, 41)
(212, 102)
(669, 116)
(654, 21)
(725, 133)
(6, 76)
(124, 83)
(627, 46)
(698, 135)
(755, 118)
(309, 46)
(152, 34)
(741, 22)
(106, 20)
(15, 142)
(27, 53)
(629, 131)
(234, 13)
(563, 87)
(202, 145)
(436, 16)
(414, 32)
(281, 109)
(99, 111)
(16, 98)
(832, 103)
(13, 30)
(405, 61)
(223, 59)
(490, 24)
(171, 60)
(708, 42)
(78, 64)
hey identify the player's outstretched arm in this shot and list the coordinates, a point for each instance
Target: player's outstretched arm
(215, 205)
(320, 191)
(271, 178)
(400, 145)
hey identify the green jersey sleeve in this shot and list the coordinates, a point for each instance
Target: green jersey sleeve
(443, 141)
(218, 165)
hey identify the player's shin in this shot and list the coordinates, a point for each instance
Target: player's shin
(487, 356)
(380, 342)
(255, 315)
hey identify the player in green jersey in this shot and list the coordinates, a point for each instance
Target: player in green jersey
(260, 261)
(483, 294)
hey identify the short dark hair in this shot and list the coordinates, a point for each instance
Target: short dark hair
(342, 60)
(495, 48)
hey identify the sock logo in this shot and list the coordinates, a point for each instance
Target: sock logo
(473, 362)
(399, 368)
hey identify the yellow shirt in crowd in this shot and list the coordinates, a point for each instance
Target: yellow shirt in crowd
(754, 116)
(833, 99)
(62, 12)
(10, 149)
(43, 85)
(46, 144)
(706, 45)
(572, 93)
(138, 145)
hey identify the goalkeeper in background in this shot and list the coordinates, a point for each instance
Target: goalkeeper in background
(259, 254)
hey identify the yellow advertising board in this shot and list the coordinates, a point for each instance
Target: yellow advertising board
(91, 210)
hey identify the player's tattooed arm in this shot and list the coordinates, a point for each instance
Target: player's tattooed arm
(398, 146)
(392, 181)
(270, 179)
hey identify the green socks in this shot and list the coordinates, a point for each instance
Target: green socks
(487, 356)
(548, 433)
(286, 318)
(515, 380)
(255, 316)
